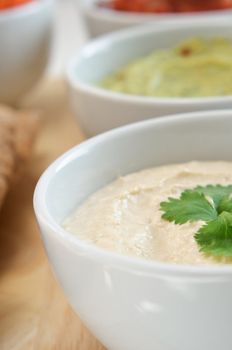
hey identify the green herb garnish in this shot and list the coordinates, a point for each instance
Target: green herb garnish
(211, 204)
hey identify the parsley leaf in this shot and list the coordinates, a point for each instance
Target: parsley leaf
(211, 204)
(216, 192)
(225, 205)
(191, 206)
(216, 236)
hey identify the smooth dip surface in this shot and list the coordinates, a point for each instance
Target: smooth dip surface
(125, 216)
(196, 68)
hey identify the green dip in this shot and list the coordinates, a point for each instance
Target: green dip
(195, 68)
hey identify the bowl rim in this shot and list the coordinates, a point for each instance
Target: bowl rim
(97, 45)
(91, 10)
(24, 10)
(99, 254)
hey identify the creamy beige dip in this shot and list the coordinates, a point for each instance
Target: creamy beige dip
(125, 216)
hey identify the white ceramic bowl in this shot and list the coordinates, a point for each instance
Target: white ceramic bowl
(101, 21)
(98, 110)
(25, 37)
(128, 303)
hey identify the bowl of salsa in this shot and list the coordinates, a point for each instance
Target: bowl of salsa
(25, 41)
(103, 16)
(165, 6)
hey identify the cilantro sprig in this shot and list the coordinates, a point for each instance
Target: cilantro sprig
(211, 204)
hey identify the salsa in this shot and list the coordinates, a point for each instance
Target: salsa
(7, 4)
(166, 6)
(195, 68)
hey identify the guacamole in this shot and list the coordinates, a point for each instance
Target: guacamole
(195, 68)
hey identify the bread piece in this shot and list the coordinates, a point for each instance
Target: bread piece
(17, 134)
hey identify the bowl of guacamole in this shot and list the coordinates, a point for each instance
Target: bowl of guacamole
(147, 72)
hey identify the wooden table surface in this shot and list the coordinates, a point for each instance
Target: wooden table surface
(34, 314)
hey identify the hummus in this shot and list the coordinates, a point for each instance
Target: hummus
(125, 216)
(196, 68)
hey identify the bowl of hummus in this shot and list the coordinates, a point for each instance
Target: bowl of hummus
(176, 68)
(137, 227)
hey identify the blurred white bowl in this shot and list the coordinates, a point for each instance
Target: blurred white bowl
(98, 109)
(130, 303)
(100, 21)
(25, 38)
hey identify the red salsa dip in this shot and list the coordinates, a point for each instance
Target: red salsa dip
(8, 4)
(166, 6)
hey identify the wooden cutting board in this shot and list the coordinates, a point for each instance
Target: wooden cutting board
(34, 314)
